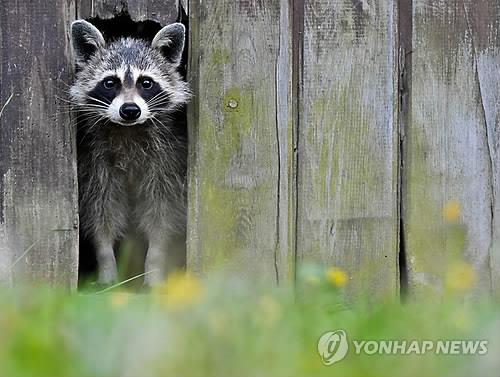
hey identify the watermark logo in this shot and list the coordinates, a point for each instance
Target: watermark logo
(333, 346)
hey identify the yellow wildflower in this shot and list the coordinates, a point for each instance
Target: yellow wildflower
(181, 290)
(460, 277)
(451, 211)
(336, 277)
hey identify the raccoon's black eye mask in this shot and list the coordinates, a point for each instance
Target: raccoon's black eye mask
(106, 90)
(146, 83)
(110, 82)
(150, 91)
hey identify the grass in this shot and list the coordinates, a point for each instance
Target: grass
(226, 326)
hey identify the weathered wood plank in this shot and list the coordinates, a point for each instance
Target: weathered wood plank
(241, 138)
(38, 192)
(484, 19)
(447, 152)
(348, 142)
(162, 11)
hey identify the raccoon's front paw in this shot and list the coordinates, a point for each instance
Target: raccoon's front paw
(107, 275)
(154, 278)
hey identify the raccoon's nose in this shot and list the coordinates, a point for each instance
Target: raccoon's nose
(130, 111)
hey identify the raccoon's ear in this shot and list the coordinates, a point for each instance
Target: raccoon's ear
(86, 40)
(170, 42)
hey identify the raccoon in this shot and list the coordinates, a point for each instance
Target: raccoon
(132, 144)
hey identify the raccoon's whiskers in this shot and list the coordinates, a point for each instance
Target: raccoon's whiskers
(98, 100)
(165, 127)
(64, 100)
(158, 99)
(93, 105)
(159, 95)
(158, 139)
(61, 81)
(92, 110)
(77, 113)
(99, 118)
(159, 103)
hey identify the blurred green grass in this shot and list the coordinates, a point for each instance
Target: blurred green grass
(225, 326)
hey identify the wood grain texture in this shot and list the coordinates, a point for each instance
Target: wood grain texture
(38, 193)
(348, 142)
(241, 138)
(448, 154)
(483, 17)
(162, 11)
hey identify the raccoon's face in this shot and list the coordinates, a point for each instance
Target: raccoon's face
(128, 82)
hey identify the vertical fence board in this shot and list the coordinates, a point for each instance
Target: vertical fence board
(447, 153)
(484, 20)
(348, 142)
(38, 199)
(240, 138)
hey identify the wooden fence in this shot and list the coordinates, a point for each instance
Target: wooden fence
(324, 131)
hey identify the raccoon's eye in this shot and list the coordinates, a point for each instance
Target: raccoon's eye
(109, 83)
(147, 83)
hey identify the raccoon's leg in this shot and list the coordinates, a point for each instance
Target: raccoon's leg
(161, 219)
(104, 208)
(106, 262)
(166, 254)
(156, 259)
(112, 224)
